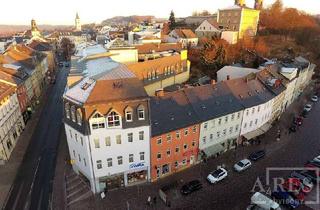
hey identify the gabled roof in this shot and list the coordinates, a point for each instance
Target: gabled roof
(5, 90)
(185, 33)
(249, 91)
(10, 78)
(171, 112)
(152, 47)
(40, 46)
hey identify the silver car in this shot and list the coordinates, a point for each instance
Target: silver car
(242, 165)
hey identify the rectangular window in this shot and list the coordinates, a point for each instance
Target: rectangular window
(141, 155)
(141, 135)
(76, 137)
(204, 140)
(184, 162)
(194, 129)
(247, 112)
(79, 157)
(109, 161)
(256, 121)
(159, 140)
(168, 137)
(193, 143)
(159, 156)
(81, 139)
(99, 164)
(226, 119)
(205, 126)
(168, 152)
(74, 153)
(186, 132)
(70, 133)
(176, 164)
(219, 121)
(84, 162)
(178, 134)
(118, 139)
(245, 125)
(250, 123)
(130, 137)
(218, 134)
(130, 158)
(232, 117)
(129, 116)
(185, 146)
(211, 136)
(96, 143)
(141, 114)
(224, 132)
(258, 108)
(98, 125)
(230, 129)
(237, 128)
(238, 115)
(177, 149)
(120, 161)
(108, 141)
(253, 109)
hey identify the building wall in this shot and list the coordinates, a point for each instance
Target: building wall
(249, 22)
(256, 116)
(277, 107)
(230, 19)
(289, 93)
(220, 130)
(301, 83)
(177, 152)
(126, 56)
(11, 125)
(175, 79)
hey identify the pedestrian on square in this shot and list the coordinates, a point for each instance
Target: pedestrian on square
(149, 200)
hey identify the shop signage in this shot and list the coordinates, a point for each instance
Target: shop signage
(136, 165)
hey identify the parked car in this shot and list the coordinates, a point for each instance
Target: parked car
(298, 121)
(257, 155)
(304, 113)
(293, 128)
(307, 107)
(285, 198)
(317, 159)
(314, 98)
(217, 175)
(242, 165)
(67, 65)
(190, 187)
(295, 186)
(305, 180)
(312, 164)
(60, 64)
(260, 201)
(311, 174)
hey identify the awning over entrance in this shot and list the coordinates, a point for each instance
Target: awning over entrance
(213, 150)
(257, 132)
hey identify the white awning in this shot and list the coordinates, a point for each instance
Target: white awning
(213, 150)
(258, 132)
(266, 127)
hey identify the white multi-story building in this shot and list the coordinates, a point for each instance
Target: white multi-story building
(108, 129)
(220, 114)
(11, 121)
(258, 104)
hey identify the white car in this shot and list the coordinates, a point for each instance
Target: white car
(314, 98)
(217, 175)
(307, 107)
(242, 165)
(317, 158)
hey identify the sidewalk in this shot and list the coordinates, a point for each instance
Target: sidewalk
(135, 197)
(9, 170)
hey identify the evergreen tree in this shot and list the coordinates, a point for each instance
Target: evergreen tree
(172, 20)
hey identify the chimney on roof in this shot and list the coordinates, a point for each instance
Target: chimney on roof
(228, 77)
(160, 93)
(213, 82)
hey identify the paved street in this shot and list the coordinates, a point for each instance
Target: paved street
(233, 193)
(33, 183)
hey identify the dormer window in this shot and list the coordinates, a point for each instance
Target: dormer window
(113, 119)
(128, 114)
(67, 110)
(97, 121)
(140, 112)
(79, 117)
(73, 113)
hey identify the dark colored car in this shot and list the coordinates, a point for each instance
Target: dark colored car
(284, 198)
(304, 113)
(293, 128)
(60, 64)
(191, 187)
(67, 65)
(312, 164)
(257, 155)
(311, 174)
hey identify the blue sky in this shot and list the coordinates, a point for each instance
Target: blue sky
(63, 11)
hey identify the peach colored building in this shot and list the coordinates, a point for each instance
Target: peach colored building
(175, 134)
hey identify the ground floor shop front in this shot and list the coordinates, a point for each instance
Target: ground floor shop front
(131, 177)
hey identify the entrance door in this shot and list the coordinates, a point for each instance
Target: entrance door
(191, 159)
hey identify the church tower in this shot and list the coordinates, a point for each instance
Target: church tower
(34, 29)
(77, 23)
(240, 3)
